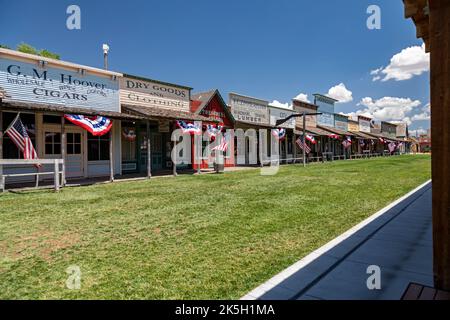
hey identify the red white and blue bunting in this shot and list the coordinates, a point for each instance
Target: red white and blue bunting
(189, 128)
(347, 142)
(392, 147)
(97, 125)
(129, 134)
(311, 138)
(280, 134)
(213, 130)
(334, 136)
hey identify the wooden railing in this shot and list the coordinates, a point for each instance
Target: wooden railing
(57, 171)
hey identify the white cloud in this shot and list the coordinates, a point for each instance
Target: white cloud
(340, 93)
(410, 62)
(278, 104)
(424, 115)
(391, 109)
(302, 97)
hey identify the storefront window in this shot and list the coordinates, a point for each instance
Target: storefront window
(98, 147)
(52, 143)
(74, 143)
(10, 150)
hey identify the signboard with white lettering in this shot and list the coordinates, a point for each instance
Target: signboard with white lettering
(49, 85)
(277, 114)
(249, 110)
(153, 94)
(340, 122)
(364, 125)
(326, 119)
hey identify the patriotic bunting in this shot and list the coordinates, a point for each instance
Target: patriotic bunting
(213, 131)
(280, 134)
(189, 128)
(362, 142)
(392, 146)
(97, 125)
(129, 134)
(334, 136)
(347, 142)
(311, 138)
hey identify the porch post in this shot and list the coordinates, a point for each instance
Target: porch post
(174, 160)
(111, 159)
(63, 151)
(440, 117)
(149, 152)
(294, 147)
(286, 147)
(2, 186)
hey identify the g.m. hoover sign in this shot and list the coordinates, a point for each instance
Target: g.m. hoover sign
(32, 83)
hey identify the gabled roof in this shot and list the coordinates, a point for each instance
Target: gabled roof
(206, 97)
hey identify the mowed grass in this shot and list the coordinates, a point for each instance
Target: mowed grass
(190, 237)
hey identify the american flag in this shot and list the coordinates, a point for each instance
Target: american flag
(223, 146)
(303, 145)
(19, 135)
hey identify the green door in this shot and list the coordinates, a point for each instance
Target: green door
(157, 152)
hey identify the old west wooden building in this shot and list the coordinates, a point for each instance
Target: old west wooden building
(43, 90)
(211, 104)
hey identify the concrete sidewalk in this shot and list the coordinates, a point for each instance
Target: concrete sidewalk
(398, 239)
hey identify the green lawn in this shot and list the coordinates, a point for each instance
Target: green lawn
(194, 237)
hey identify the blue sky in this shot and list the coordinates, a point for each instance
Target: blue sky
(272, 50)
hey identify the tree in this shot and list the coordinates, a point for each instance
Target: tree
(48, 54)
(4, 47)
(26, 48)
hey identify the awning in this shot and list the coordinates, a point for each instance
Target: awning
(315, 131)
(242, 124)
(337, 131)
(362, 135)
(27, 106)
(159, 113)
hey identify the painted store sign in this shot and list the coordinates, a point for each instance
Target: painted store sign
(341, 122)
(31, 83)
(276, 114)
(249, 110)
(364, 125)
(326, 119)
(353, 126)
(153, 94)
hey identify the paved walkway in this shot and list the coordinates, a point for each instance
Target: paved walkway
(398, 239)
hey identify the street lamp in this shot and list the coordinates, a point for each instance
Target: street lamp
(296, 115)
(105, 48)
